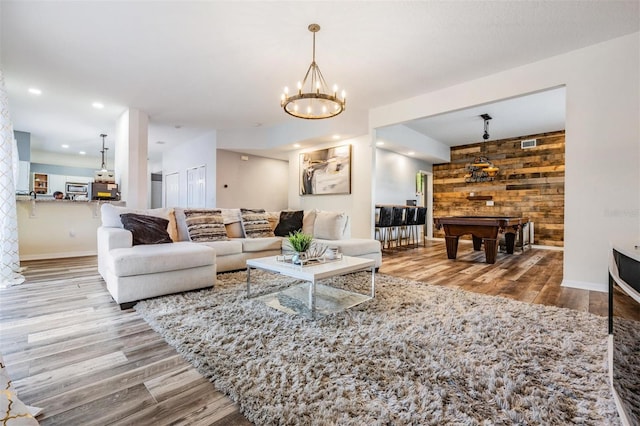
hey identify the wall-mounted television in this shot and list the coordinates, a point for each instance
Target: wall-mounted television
(624, 331)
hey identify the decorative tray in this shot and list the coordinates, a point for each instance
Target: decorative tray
(290, 259)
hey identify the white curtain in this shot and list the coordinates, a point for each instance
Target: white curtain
(9, 255)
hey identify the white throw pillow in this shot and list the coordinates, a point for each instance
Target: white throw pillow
(308, 220)
(329, 225)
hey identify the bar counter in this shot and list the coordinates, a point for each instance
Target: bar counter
(50, 228)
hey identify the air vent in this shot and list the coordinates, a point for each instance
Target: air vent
(528, 143)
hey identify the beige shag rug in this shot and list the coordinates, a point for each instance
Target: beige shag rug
(415, 355)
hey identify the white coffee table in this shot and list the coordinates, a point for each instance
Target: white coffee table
(310, 298)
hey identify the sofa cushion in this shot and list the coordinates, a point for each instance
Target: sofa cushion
(231, 215)
(273, 218)
(329, 225)
(250, 245)
(255, 223)
(153, 258)
(234, 230)
(146, 229)
(225, 248)
(205, 225)
(353, 246)
(110, 216)
(308, 220)
(290, 222)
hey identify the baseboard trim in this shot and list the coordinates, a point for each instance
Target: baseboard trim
(585, 285)
(45, 256)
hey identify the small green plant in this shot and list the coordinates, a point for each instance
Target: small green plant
(300, 242)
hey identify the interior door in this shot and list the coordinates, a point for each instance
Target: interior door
(196, 180)
(172, 190)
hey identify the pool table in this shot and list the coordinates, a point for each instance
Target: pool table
(482, 229)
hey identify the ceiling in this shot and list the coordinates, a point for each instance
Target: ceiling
(194, 67)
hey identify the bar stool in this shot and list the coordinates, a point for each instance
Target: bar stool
(411, 230)
(383, 225)
(397, 223)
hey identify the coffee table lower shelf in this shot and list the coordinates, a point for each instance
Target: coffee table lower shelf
(329, 300)
(310, 298)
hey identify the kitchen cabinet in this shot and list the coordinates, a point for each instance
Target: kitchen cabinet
(41, 183)
(57, 183)
(79, 179)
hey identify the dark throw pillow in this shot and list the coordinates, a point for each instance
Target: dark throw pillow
(146, 229)
(290, 222)
(205, 225)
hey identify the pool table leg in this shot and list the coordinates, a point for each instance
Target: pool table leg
(477, 243)
(452, 246)
(509, 241)
(490, 249)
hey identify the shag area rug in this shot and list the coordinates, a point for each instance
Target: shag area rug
(415, 355)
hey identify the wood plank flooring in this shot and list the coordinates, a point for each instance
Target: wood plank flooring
(73, 352)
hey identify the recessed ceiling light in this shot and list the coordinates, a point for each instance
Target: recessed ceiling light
(336, 137)
(379, 143)
(296, 145)
(411, 153)
(82, 153)
(97, 105)
(64, 145)
(35, 91)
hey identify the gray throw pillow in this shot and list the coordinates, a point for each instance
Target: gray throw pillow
(255, 223)
(205, 225)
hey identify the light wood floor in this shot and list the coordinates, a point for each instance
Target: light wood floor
(73, 352)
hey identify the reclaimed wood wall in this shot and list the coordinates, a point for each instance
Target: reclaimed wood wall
(530, 183)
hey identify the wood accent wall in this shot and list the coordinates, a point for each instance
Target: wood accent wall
(530, 183)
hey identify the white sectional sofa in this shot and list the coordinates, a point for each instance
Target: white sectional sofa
(135, 272)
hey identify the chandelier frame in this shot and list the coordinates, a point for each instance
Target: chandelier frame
(302, 105)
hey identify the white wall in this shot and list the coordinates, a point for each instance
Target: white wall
(200, 151)
(396, 177)
(358, 205)
(602, 185)
(256, 182)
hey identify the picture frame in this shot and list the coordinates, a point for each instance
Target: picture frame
(326, 171)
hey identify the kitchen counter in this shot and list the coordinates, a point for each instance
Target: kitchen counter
(43, 199)
(50, 228)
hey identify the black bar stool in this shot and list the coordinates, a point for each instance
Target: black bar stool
(398, 223)
(383, 225)
(410, 229)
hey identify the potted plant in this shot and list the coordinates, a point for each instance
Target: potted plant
(300, 242)
(304, 247)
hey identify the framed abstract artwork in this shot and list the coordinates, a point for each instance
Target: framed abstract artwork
(326, 171)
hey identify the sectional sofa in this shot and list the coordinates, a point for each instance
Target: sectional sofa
(192, 245)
